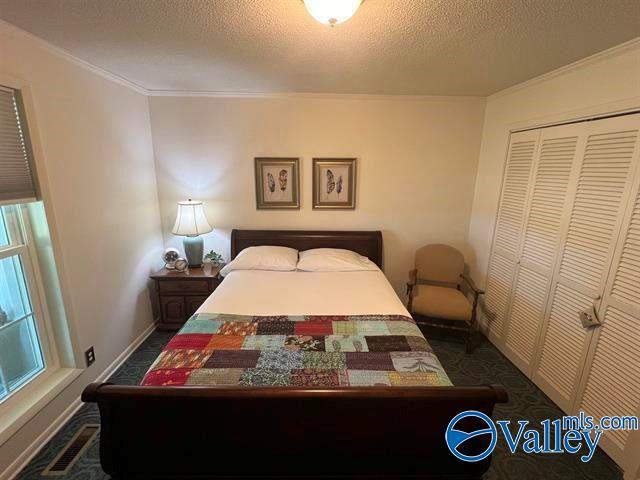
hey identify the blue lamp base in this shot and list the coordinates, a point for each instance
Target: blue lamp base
(194, 250)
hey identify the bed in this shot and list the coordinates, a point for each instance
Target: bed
(293, 374)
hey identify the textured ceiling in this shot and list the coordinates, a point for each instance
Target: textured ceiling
(429, 47)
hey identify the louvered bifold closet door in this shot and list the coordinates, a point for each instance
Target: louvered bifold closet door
(508, 231)
(600, 194)
(611, 381)
(555, 163)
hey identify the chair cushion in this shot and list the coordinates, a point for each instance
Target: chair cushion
(441, 302)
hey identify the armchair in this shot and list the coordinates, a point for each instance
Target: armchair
(435, 291)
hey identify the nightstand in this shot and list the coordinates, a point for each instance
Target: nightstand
(180, 294)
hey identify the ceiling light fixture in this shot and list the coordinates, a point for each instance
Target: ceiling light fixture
(332, 12)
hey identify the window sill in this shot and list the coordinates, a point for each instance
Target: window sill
(23, 405)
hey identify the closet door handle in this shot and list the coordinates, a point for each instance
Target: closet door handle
(589, 318)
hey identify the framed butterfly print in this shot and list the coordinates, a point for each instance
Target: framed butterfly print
(277, 183)
(334, 183)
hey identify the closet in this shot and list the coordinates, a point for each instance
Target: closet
(563, 283)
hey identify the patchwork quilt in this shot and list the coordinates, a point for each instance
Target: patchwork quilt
(303, 351)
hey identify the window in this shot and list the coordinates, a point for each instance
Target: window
(25, 348)
(22, 354)
(39, 352)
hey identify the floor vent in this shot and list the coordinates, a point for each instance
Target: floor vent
(72, 451)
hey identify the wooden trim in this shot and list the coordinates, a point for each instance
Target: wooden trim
(95, 392)
(367, 243)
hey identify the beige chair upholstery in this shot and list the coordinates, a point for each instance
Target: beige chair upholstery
(439, 264)
(441, 302)
(434, 289)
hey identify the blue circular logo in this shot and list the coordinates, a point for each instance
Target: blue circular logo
(455, 438)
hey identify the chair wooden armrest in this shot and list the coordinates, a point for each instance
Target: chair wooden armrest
(469, 281)
(472, 324)
(413, 279)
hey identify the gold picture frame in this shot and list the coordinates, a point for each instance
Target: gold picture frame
(334, 183)
(277, 183)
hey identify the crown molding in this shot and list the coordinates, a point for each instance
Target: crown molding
(315, 96)
(633, 44)
(62, 53)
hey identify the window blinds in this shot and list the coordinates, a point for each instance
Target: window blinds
(17, 178)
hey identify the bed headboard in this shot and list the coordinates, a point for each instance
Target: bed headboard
(367, 243)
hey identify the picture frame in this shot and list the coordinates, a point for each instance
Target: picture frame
(334, 183)
(277, 183)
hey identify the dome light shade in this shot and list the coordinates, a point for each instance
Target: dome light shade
(332, 12)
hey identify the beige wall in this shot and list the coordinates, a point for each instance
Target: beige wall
(101, 191)
(605, 83)
(416, 170)
(417, 181)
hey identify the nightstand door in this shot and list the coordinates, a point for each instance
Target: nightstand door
(193, 303)
(173, 309)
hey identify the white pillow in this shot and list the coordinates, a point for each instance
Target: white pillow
(283, 259)
(334, 260)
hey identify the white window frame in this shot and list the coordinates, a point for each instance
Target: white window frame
(20, 405)
(21, 246)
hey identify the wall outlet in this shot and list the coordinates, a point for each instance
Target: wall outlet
(90, 356)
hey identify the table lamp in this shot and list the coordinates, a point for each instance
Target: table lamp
(191, 222)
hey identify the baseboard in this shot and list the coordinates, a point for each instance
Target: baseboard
(32, 450)
(120, 359)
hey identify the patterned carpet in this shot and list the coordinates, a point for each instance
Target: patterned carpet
(485, 365)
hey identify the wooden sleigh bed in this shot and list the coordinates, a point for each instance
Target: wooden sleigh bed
(168, 432)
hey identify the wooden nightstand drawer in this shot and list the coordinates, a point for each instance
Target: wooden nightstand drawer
(184, 286)
(179, 295)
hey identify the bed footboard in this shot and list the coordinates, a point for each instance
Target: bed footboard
(259, 432)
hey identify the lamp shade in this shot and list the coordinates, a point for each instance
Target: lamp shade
(191, 220)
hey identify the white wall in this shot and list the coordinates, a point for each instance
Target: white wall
(416, 164)
(102, 202)
(604, 83)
